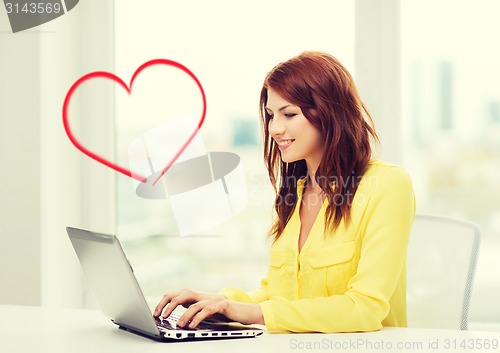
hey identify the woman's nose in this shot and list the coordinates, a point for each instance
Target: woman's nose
(276, 127)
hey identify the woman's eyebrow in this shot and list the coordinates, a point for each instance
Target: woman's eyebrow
(282, 108)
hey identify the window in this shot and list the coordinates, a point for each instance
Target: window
(230, 47)
(451, 102)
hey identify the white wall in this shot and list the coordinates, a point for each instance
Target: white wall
(48, 184)
(20, 244)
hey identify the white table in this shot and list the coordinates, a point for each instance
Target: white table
(48, 330)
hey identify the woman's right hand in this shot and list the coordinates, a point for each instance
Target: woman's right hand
(185, 297)
(202, 306)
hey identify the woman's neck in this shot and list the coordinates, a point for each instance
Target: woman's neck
(312, 185)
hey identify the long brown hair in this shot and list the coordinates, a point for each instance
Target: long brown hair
(325, 92)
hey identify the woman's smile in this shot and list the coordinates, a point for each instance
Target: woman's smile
(284, 144)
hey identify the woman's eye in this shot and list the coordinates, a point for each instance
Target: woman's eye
(290, 115)
(270, 116)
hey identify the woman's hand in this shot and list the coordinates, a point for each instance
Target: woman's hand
(201, 306)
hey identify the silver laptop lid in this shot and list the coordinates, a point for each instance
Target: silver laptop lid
(112, 280)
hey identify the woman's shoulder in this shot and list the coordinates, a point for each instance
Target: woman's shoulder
(378, 167)
(385, 173)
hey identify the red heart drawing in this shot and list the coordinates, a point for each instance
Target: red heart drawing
(116, 79)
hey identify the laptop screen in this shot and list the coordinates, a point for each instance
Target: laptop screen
(112, 280)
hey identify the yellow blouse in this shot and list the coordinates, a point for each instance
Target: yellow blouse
(351, 280)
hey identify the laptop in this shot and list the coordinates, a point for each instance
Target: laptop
(112, 279)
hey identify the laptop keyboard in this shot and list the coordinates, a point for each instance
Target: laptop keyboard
(170, 323)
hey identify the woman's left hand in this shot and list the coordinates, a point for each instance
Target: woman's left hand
(201, 306)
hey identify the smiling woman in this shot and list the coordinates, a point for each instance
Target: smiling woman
(333, 129)
(337, 262)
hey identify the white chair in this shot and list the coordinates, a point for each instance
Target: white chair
(441, 263)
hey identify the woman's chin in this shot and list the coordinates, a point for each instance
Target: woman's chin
(287, 159)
